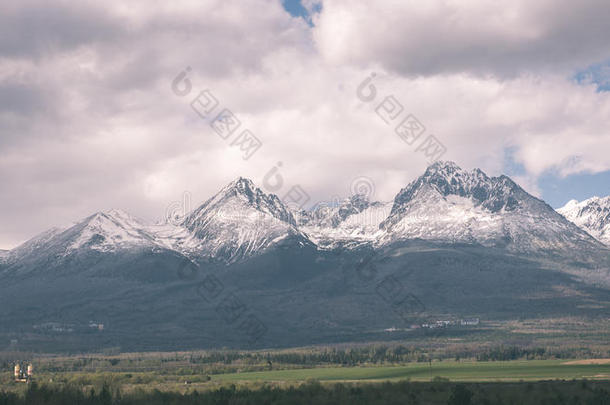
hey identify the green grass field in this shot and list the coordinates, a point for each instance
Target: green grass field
(185, 371)
(455, 371)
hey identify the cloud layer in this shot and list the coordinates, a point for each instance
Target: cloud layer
(89, 121)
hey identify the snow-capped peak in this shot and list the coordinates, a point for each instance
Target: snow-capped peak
(237, 198)
(241, 219)
(108, 231)
(494, 193)
(592, 215)
(450, 204)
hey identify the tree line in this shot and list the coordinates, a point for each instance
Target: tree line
(406, 393)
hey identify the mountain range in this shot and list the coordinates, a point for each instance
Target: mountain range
(450, 230)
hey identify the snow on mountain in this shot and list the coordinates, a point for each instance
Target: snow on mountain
(354, 221)
(452, 205)
(445, 204)
(332, 214)
(109, 231)
(592, 215)
(237, 222)
(33, 246)
(240, 220)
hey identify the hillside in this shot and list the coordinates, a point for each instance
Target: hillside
(242, 270)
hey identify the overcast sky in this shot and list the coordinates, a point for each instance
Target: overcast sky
(89, 119)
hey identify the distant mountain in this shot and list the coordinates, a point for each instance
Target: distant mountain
(592, 215)
(446, 204)
(449, 204)
(238, 222)
(102, 244)
(107, 232)
(452, 243)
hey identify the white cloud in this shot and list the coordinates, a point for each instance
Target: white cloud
(88, 120)
(477, 36)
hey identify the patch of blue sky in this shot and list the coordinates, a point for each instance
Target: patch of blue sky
(556, 189)
(296, 9)
(598, 74)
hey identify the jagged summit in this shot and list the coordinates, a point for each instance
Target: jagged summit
(236, 199)
(353, 205)
(241, 185)
(117, 213)
(593, 215)
(443, 165)
(239, 221)
(595, 203)
(494, 193)
(453, 205)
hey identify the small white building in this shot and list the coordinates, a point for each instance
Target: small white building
(469, 322)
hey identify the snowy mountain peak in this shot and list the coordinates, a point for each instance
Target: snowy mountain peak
(118, 214)
(235, 201)
(596, 203)
(108, 231)
(448, 179)
(450, 173)
(241, 185)
(592, 215)
(240, 220)
(441, 167)
(450, 204)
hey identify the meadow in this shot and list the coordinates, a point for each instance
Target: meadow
(527, 370)
(394, 372)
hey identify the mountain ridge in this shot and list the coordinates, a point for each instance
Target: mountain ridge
(445, 204)
(453, 247)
